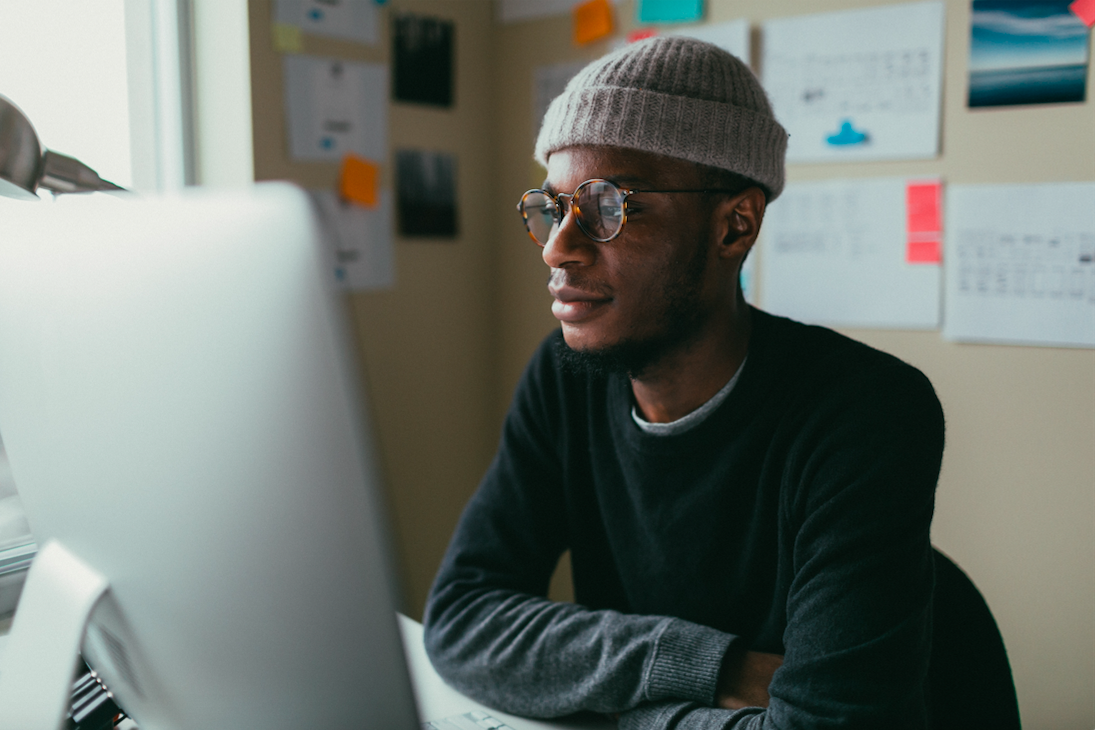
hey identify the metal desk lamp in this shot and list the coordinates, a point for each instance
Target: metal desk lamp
(25, 166)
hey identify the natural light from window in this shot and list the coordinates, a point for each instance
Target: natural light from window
(63, 62)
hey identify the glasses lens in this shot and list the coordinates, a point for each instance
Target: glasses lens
(601, 206)
(539, 213)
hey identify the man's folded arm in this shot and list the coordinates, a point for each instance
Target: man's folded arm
(527, 655)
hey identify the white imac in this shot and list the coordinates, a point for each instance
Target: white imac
(180, 410)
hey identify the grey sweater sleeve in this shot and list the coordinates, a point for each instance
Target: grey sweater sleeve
(534, 657)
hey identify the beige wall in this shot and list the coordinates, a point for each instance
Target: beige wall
(1016, 504)
(428, 345)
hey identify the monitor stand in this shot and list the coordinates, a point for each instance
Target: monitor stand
(40, 657)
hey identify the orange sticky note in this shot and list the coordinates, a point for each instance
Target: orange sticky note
(357, 181)
(1084, 10)
(592, 20)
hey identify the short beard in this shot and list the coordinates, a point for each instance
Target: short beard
(681, 318)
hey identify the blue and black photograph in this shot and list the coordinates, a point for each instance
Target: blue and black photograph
(1026, 52)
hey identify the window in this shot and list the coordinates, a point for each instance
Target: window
(106, 82)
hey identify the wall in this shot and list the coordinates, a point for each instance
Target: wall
(428, 345)
(443, 351)
(1016, 500)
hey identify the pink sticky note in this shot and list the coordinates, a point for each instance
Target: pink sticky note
(923, 250)
(1084, 10)
(641, 34)
(922, 207)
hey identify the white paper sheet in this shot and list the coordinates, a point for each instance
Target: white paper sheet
(858, 84)
(360, 239)
(833, 252)
(732, 36)
(1020, 263)
(333, 107)
(514, 11)
(353, 20)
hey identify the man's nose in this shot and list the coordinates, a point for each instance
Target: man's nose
(570, 246)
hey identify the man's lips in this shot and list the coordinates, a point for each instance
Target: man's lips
(573, 304)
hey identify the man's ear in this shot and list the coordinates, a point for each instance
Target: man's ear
(738, 220)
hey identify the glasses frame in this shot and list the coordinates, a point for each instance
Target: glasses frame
(625, 193)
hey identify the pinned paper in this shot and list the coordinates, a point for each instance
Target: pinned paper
(357, 181)
(1021, 264)
(334, 107)
(923, 222)
(1084, 10)
(287, 38)
(360, 241)
(670, 11)
(880, 69)
(344, 19)
(732, 36)
(592, 21)
(641, 35)
(835, 252)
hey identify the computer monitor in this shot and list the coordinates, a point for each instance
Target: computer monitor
(181, 414)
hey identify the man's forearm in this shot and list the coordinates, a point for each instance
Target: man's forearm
(531, 656)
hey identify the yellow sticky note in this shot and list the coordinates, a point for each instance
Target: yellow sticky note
(287, 38)
(357, 181)
(592, 20)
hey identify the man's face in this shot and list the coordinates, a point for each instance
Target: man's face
(626, 303)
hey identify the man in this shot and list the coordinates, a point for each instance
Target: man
(746, 499)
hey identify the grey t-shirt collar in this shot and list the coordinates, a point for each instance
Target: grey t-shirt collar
(693, 419)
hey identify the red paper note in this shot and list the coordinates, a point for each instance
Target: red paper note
(641, 34)
(923, 222)
(1084, 10)
(928, 251)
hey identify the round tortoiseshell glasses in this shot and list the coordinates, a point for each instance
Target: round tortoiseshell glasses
(599, 207)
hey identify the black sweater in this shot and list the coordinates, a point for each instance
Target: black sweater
(794, 519)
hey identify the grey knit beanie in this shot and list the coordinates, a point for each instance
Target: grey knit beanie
(673, 96)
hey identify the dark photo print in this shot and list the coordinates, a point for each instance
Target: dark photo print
(426, 193)
(1026, 52)
(423, 60)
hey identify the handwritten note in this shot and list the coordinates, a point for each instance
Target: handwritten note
(1021, 264)
(334, 107)
(858, 84)
(834, 252)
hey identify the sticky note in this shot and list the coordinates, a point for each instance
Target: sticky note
(670, 11)
(1084, 10)
(287, 38)
(928, 251)
(639, 35)
(357, 182)
(592, 21)
(922, 207)
(923, 222)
